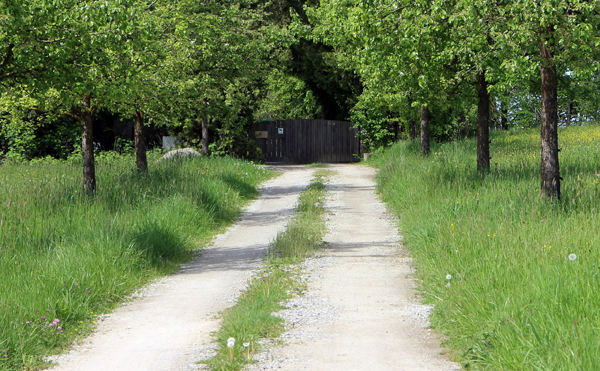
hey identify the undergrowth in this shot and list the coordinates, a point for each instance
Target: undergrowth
(66, 257)
(514, 277)
(251, 319)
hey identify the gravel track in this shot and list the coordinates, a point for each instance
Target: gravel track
(359, 311)
(169, 325)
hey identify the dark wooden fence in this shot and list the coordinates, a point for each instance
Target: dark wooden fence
(307, 141)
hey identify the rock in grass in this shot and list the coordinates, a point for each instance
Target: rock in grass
(180, 153)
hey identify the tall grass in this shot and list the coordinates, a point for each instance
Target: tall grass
(514, 300)
(65, 257)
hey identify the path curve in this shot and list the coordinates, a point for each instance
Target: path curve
(166, 328)
(360, 311)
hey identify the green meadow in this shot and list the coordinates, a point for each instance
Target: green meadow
(514, 277)
(65, 258)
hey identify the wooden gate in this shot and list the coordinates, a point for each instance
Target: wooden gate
(307, 141)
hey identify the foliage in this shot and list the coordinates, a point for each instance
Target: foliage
(66, 256)
(26, 133)
(410, 53)
(515, 300)
(287, 97)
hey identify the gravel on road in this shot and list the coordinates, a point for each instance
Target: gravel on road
(170, 323)
(360, 311)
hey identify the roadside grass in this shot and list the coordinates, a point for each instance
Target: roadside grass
(251, 319)
(524, 272)
(65, 257)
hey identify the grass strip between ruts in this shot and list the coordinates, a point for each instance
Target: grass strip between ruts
(251, 318)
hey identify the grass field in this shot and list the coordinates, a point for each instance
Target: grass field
(514, 277)
(65, 257)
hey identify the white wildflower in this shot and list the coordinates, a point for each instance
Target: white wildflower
(230, 342)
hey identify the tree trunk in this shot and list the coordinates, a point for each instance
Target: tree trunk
(141, 161)
(549, 124)
(424, 130)
(570, 112)
(205, 138)
(412, 129)
(87, 145)
(483, 125)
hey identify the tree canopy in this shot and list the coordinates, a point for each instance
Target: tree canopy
(208, 70)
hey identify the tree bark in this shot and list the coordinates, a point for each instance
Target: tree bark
(483, 125)
(87, 145)
(424, 130)
(205, 139)
(141, 160)
(549, 124)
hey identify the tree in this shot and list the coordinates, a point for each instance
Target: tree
(223, 48)
(483, 125)
(555, 36)
(395, 47)
(78, 50)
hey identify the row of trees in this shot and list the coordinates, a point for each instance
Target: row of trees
(438, 59)
(178, 62)
(391, 66)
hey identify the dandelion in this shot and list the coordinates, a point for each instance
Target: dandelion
(572, 257)
(448, 277)
(246, 345)
(230, 342)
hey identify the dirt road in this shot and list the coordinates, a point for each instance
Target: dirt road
(165, 329)
(359, 313)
